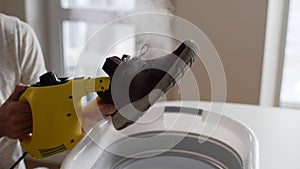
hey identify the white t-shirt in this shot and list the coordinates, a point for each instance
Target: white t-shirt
(21, 61)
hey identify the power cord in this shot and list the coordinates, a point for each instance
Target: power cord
(19, 160)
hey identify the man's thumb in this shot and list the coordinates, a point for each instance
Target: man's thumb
(20, 88)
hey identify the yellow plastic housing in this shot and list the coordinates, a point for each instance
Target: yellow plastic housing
(56, 115)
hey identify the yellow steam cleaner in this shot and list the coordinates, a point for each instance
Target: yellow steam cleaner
(56, 120)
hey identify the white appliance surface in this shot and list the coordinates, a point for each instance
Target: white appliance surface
(185, 118)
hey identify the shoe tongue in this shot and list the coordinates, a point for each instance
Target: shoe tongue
(111, 65)
(130, 66)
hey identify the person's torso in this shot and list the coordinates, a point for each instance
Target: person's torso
(10, 73)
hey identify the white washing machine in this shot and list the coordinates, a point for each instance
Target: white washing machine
(168, 137)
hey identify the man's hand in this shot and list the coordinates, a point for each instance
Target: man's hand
(15, 116)
(94, 112)
(106, 109)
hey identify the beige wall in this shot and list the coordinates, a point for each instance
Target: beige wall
(13, 7)
(237, 30)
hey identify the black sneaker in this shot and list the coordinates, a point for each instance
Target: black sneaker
(137, 84)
